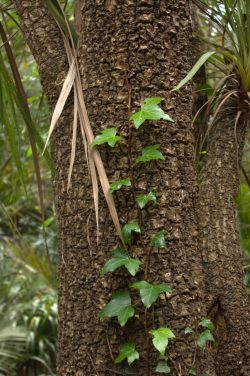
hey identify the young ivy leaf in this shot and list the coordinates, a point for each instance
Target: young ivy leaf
(120, 258)
(204, 337)
(149, 293)
(117, 185)
(150, 110)
(160, 338)
(150, 153)
(108, 136)
(142, 201)
(120, 307)
(188, 330)
(162, 367)
(127, 230)
(206, 323)
(127, 351)
(158, 240)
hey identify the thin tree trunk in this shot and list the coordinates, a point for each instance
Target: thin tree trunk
(227, 299)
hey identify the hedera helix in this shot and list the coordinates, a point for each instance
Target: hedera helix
(120, 305)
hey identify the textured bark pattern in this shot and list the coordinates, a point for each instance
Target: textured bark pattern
(219, 243)
(143, 42)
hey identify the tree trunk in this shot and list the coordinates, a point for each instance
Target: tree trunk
(227, 300)
(129, 51)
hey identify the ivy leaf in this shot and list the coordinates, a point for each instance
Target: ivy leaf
(117, 185)
(120, 258)
(127, 351)
(150, 110)
(108, 136)
(162, 367)
(127, 230)
(120, 307)
(142, 201)
(188, 330)
(150, 153)
(204, 337)
(206, 323)
(161, 337)
(158, 240)
(149, 293)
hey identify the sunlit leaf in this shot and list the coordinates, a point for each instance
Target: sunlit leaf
(160, 338)
(149, 293)
(108, 136)
(150, 110)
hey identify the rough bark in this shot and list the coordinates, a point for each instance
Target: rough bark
(227, 299)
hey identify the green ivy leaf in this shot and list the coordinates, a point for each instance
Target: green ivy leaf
(188, 330)
(117, 185)
(127, 351)
(161, 337)
(150, 110)
(206, 323)
(162, 367)
(120, 307)
(204, 337)
(142, 201)
(108, 136)
(150, 153)
(120, 258)
(158, 240)
(149, 293)
(127, 230)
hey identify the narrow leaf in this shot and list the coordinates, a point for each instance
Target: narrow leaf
(202, 60)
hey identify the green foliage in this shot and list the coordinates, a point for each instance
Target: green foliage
(142, 201)
(128, 229)
(150, 153)
(160, 338)
(158, 240)
(127, 351)
(150, 110)
(108, 136)
(120, 307)
(202, 60)
(162, 366)
(206, 323)
(121, 258)
(204, 337)
(188, 330)
(149, 293)
(117, 185)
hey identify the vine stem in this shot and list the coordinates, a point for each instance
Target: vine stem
(148, 341)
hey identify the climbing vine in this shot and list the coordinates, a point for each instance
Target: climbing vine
(121, 305)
